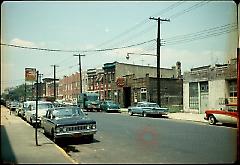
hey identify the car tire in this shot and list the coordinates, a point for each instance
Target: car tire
(130, 113)
(53, 137)
(212, 120)
(144, 114)
(90, 138)
(44, 131)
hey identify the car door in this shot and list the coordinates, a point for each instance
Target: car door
(134, 108)
(138, 108)
(46, 122)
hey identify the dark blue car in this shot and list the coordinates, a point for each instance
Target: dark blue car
(110, 106)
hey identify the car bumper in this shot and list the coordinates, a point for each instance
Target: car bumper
(115, 110)
(157, 113)
(75, 134)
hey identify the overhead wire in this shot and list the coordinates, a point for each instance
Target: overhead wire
(216, 31)
(138, 25)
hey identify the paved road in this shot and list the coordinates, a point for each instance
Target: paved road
(132, 139)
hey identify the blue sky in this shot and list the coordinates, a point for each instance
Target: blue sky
(88, 25)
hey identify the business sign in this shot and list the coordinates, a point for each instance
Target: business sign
(120, 81)
(30, 74)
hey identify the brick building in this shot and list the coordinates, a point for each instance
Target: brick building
(69, 86)
(127, 83)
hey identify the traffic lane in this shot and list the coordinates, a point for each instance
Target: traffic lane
(133, 139)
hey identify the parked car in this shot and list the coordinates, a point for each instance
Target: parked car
(13, 105)
(226, 115)
(67, 122)
(25, 107)
(30, 114)
(109, 106)
(147, 108)
(19, 109)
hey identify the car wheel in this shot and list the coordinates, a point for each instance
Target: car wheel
(90, 138)
(144, 114)
(211, 120)
(130, 113)
(53, 137)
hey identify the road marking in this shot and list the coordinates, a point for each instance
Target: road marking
(66, 155)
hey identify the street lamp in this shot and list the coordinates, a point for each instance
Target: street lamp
(144, 54)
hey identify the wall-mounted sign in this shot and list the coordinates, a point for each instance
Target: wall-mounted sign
(30, 74)
(120, 81)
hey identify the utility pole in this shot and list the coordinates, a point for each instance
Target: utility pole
(54, 80)
(80, 70)
(158, 58)
(25, 91)
(36, 109)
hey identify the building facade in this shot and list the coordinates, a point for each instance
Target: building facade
(127, 83)
(210, 87)
(69, 86)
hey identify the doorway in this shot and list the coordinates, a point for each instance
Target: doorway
(126, 97)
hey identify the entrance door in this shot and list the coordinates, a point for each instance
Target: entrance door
(126, 96)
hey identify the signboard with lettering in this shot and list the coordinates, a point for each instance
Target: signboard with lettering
(30, 74)
(120, 81)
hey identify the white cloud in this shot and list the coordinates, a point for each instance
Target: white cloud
(190, 59)
(20, 42)
(106, 30)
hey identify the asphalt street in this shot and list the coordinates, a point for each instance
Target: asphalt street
(133, 139)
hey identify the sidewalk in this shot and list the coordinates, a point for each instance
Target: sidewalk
(188, 116)
(18, 144)
(181, 116)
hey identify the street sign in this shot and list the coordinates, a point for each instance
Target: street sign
(30, 74)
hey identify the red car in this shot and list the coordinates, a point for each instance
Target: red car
(228, 115)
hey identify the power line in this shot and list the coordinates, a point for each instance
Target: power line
(143, 22)
(202, 34)
(188, 9)
(60, 50)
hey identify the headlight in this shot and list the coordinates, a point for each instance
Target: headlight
(57, 130)
(64, 129)
(94, 126)
(88, 126)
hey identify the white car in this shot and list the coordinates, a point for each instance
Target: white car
(147, 108)
(30, 114)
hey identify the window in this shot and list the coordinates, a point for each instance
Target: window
(233, 89)
(204, 86)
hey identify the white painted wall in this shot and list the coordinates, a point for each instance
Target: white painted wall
(186, 97)
(217, 89)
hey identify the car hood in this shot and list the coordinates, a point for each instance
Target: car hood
(74, 121)
(112, 106)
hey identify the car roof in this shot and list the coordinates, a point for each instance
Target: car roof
(145, 102)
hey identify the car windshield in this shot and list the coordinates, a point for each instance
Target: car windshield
(110, 102)
(43, 106)
(153, 105)
(92, 98)
(67, 112)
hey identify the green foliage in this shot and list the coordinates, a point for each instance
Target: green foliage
(18, 93)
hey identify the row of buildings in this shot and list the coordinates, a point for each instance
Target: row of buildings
(194, 91)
